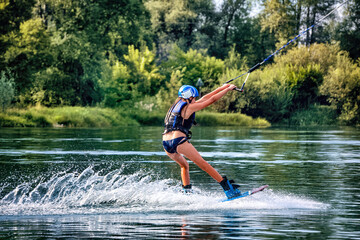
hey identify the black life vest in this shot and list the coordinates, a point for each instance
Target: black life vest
(175, 122)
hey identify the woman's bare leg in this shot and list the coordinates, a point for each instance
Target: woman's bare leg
(185, 175)
(189, 151)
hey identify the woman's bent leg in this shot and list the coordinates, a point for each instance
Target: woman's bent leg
(185, 175)
(189, 151)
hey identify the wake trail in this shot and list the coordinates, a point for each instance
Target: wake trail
(91, 192)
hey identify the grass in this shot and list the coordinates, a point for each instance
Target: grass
(229, 119)
(109, 117)
(65, 117)
(314, 116)
(10, 120)
(148, 118)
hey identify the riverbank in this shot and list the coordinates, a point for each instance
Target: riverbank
(110, 117)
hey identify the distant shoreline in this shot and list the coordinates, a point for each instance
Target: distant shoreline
(112, 117)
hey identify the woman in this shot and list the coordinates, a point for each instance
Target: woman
(178, 121)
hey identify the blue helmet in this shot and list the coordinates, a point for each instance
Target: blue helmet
(187, 91)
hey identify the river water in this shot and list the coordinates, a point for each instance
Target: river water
(119, 184)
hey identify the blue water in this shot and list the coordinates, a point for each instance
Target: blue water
(119, 184)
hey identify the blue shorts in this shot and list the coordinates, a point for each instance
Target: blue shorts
(171, 145)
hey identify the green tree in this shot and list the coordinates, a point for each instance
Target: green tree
(208, 30)
(28, 54)
(172, 21)
(143, 70)
(167, 94)
(287, 18)
(219, 29)
(314, 10)
(197, 65)
(348, 31)
(118, 88)
(280, 18)
(118, 23)
(60, 54)
(235, 65)
(52, 87)
(82, 47)
(12, 14)
(78, 59)
(251, 41)
(7, 89)
(193, 24)
(137, 76)
(230, 10)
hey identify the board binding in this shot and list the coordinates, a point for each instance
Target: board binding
(247, 193)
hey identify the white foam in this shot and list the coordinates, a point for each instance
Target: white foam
(115, 192)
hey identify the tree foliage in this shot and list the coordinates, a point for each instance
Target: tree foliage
(80, 52)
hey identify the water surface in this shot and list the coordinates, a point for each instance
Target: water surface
(118, 183)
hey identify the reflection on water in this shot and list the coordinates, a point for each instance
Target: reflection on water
(118, 183)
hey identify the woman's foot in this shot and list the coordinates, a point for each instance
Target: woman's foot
(230, 188)
(187, 189)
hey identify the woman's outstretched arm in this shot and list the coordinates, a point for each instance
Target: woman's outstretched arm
(214, 96)
(209, 95)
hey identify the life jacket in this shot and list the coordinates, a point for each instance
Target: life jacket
(175, 122)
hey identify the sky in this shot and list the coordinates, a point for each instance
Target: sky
(254, 12)
(218, 3)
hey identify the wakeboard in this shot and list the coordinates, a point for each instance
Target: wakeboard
(248, 193)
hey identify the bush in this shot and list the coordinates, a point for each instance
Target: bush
(168, 94)
(304, 83)
(267, 95)
(37, 119)
(342, 87)
(304, 77)
(324, 55)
